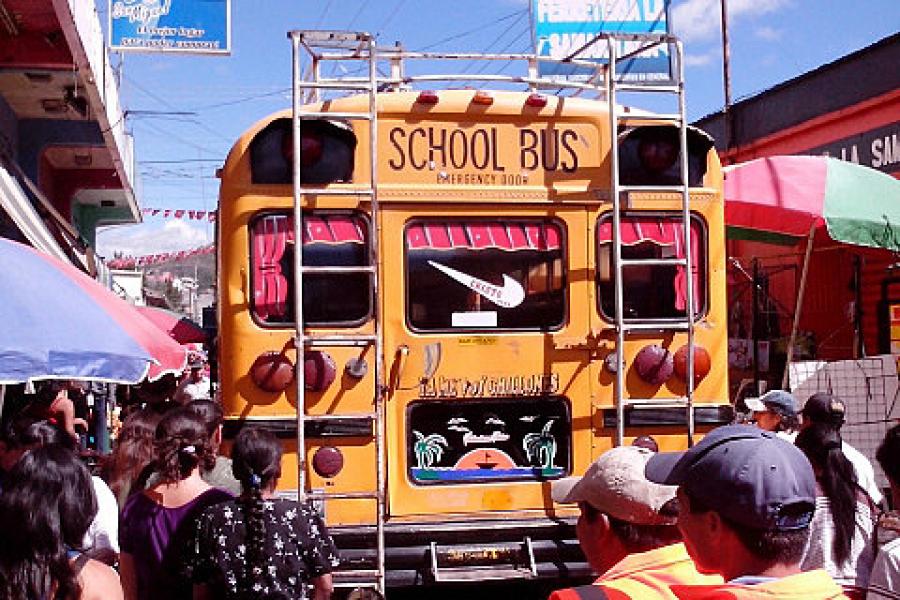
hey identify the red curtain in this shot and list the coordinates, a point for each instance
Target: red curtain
(663, 232)
(270, 287)
(272, 234)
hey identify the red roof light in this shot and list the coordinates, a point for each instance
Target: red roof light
(427, 97)
(536, 100)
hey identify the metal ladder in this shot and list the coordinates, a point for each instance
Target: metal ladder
(354, 46)
(625, 329)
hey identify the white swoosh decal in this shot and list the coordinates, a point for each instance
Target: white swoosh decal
(508, 296)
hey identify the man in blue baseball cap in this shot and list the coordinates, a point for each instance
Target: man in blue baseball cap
(776, 410)
(746, 500)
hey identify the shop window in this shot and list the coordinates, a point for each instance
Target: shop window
(328, 240)
(651, 291)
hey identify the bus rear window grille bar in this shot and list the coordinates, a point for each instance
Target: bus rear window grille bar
(338, 270)
(663, 262)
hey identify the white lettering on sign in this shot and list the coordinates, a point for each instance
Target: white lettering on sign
(566, 11)
(885, 151)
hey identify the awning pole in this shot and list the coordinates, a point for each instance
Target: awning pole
(799, 306)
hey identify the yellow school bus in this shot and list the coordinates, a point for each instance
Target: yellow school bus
(496, 287)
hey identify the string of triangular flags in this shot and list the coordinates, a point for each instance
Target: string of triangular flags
(131, 262)
(180, 213)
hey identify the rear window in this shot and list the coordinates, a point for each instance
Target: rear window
(480, 274)
(651, 291)
(329, 239)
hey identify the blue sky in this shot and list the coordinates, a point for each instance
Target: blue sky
(186, 111)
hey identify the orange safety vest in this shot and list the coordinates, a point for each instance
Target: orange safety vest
(645, 575)
(812, 585)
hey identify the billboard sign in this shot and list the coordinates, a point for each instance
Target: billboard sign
(562, 27)
(192, 26)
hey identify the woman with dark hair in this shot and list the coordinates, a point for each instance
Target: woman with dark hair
(259, 546)
(840, 535)
(44, 515)
(156, 524)
(129, 466)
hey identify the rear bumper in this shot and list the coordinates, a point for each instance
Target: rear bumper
(459, 551)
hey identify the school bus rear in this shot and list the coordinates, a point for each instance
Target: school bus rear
(495, 303)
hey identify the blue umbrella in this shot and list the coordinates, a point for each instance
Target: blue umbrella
(59, 323)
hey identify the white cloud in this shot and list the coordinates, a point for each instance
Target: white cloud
(150, 238)
(700, 20)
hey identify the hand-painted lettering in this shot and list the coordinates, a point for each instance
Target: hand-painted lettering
(396, 135)
(571, 164)
(547, 149)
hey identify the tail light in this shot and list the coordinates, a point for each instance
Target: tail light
(327, 462)
(702, 363)
(327, 148)
(272, 372)
(654, 364)
(657, 153)
(319, 370)
(311, 145)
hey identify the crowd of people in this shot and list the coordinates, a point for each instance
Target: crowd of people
(168, 517)
(780, 509)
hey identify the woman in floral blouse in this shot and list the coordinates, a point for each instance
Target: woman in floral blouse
(258, 546)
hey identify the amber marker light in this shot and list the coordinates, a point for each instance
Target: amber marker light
(427, 97)
(483, 98)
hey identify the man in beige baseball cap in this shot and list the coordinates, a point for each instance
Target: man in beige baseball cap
(627, 530)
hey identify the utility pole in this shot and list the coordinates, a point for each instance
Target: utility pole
(726, 76)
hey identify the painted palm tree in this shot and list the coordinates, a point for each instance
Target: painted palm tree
(428, 449)
(540, 447)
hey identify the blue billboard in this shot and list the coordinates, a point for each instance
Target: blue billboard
(194, 26)
(567, 28)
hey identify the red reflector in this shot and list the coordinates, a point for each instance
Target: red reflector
(536, 100)
(483, 98)
(427, 97)
(328, 461)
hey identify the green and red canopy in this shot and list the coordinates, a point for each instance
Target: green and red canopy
(790, 195)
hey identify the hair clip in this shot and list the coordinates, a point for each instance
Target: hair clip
(190, 449)
(255, 480)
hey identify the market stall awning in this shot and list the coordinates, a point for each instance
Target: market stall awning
(175, 325)
(790, 195)
(61, 324)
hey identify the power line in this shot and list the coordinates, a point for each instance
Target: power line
(356, 16)
(475, 30)
(391, 16)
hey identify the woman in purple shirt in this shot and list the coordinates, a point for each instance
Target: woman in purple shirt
(156, 524)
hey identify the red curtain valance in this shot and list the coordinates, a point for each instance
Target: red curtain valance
(663, 232)
(482, 235)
